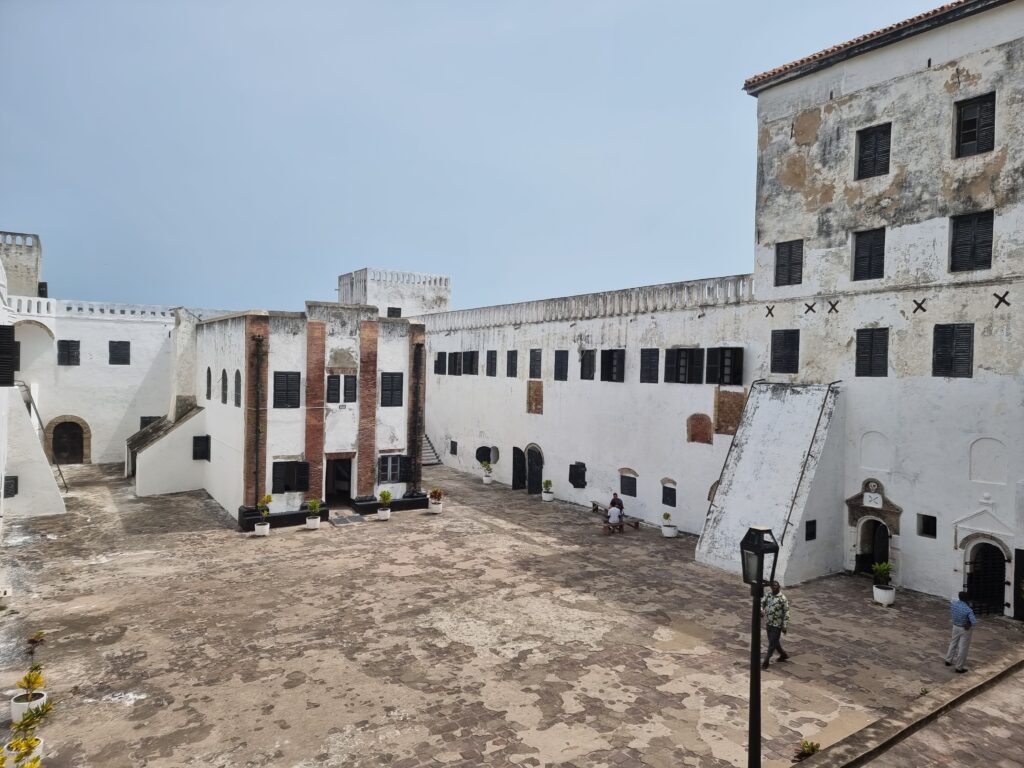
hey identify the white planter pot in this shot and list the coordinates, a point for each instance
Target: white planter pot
(261, 529)
(10, 753)
(669, 531)
(884, 595)
(19, 708)
(435, 507)
(547, 495)
(384, 514)
(313, 523)
(488, 479)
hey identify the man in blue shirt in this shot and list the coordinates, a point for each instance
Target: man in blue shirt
(963, 624)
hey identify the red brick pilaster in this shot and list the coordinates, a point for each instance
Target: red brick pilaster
(315, 382)
(257, 357)
(366, 441)
(417, 400)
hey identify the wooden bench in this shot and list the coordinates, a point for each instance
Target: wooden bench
(601, 509)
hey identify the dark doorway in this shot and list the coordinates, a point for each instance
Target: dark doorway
(874, 545)
(986, 579)
(518, 469)
(1018, 585)
(534, 469)
(68, 443)
(338, 483)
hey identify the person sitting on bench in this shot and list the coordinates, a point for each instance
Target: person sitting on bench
(614, 519)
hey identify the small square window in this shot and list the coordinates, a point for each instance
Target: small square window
(789, 262)
(927, 526)
(394, 311)
(120, 353)
(869, 254)
(453, 448)
(786, 351)
(970, 245)
(685, 366)
(68, 352)
(976, 125)
(391, 390)
(810, 530)
(873, 151)
(286, 389)
(953, 350)
(668, 495)
(289, 476)
(627, 485)
(578, 475)
(725, 366)
(613, 365)
(649, 360)
(201, 448)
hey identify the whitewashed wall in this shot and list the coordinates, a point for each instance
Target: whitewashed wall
(167, 466)
(392, 422)
(286, 427)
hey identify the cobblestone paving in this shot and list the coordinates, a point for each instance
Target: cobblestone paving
(504, 632)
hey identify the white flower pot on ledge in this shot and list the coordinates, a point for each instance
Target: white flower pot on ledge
(384, 514)
(261, 529)
(884, 594)
(313, 522)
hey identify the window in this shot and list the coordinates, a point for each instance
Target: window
(394, 469)
(334, 389)
(10, 484)
(511, 363)
(145, 421)
(627, 485)
(223, 387)
(725, 366)
(578, 475)
(441, 363)
(201, 448)
(454, 363)
(8, 353)
(613, 365)
(976, 125)
(561, 365)
(290, 476)
(470, 363)
(535, 363)
(238, 389)
(453, 448)
(394, 311)
(869, 254)
(785, 351)
(286, 389)
(927, 526)
(684, 366)
(953, 350)
(872, 352)
(492, 362)
(873, 151)
(587, 364)
(971, 242)
(68, 352)
(649, 360)
(120, 353)
(349, 395)
(390, 390)
(668, 495)
(789, 262)
(810, 530)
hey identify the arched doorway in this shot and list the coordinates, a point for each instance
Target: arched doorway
(534, 469)
(518, 469)
(985, 577)
(873, 546)
(68, 443)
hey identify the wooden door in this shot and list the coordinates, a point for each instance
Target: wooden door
(518, 469)
(68, 443)
(534, 470)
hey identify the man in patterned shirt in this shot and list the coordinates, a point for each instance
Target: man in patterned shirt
(775, 609)
(963, 626)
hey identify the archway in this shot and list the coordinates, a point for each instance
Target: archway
(985, 578)
(873, 544)
(68, 441)
(534, 469)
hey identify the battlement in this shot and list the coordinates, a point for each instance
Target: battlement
(412, 293)
(18, 240)
(22, 257)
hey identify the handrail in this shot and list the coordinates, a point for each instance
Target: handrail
(725, 463)
(32, 409)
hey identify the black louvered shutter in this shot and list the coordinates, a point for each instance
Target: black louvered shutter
(350, 389)
(880, 352)
(454, 363)
(671, 365)
(695, 366)
(961, 258)
(10, 486)
(987, 123)
(942, 350)
(982, 252)
(713, 373)
(782, 264)
(8, 351)
(863, 365)
(382, 469)
(963, 350)
(279, 477)
(868, 151)
(649, 366)
(535, 363)
(786, 351)
(492, 362)
(512, 363)
(333, 389)
(404, 469)
(441, 363)
(120, 353)
(561, 365)
(301, 476)
(883, 138)
(869, 254)
(796, 262)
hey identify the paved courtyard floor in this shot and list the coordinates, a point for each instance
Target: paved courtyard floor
(505, 632)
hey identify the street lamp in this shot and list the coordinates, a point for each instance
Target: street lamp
(757, 543)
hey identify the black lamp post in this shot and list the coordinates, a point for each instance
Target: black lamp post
(757, 543)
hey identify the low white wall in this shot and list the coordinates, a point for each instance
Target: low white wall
(38, 492)
(167, 466)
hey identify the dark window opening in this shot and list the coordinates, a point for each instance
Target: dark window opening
(454, 363)
(492, 362)
(349, 395)
(120, 353)
(286, 389)
(394, 311)
(470, 363)
(725, 366)
(869, 254)
(512, 363)
(578, 475)
(333, 389)
(10, 485)
(976, 125)
(786, 351)
(535, 363)
(873, 151)
(201, 448)
(684, 366)
(290, 476)
(391, 385)
(649, 360)
(927, 526)
(453, 448)
(9, 354)
(238, 389)
(872, 352)
(613, 365)
(953, 350)
(441, 363)
(68, 352)
(223, 387)
(561, 365)
(668, 495)
(394, 469)
(971, 242)
(627, 485)
(483, 453)
(209, 384)
(145, 421)
(789, 262)
(810, 530)
(588, 363)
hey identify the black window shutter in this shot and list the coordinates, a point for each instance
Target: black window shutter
(713, 374)
(627, 485)
(785, 351)
(404, 469)
(782, 264)
(668, 495)
(382, 469)
(987, 123)
(883, 139)
(868, 151)
(8, 351)
(492, 362)
(578, 475)
(238, 389)
(470, 363)
(119, 353)
(671, 365)
(279, 477)
(10, 486)
(301, 476)
(535, 363)
(863, 364)
(649, 359)
(561, 365)
(350, 389)
(209, 385)
(963, 350)
(454, 363)
(512, 363)
(796, 262)
(441, 363)
(695, 366)
(983, 223)
(280, 388)
(942, 350)
(333, 389)
(201, 448)
(587, 364)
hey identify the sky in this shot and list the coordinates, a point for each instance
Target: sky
(243, 153)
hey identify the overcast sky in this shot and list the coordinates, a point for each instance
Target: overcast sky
(243, 153)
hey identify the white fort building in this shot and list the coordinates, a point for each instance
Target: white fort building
(860, 391)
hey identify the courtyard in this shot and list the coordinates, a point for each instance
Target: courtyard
(504, 632)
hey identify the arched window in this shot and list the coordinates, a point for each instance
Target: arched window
(209, 384)
(238, 389)
(224, 386)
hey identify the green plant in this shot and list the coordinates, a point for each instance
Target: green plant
(264, 506)
(314, 508)
(548, 485)
(34, 641)
(33, 717)
(32, 681)
(667, 517)
(436, 494)
(882, 572)
(385, 499)
(487, 467)
(807, 748)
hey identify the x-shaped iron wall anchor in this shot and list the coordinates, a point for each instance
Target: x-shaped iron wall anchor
(1000, 300)
(771, 310)
(919, 306)
(832, 307)
(810, 307)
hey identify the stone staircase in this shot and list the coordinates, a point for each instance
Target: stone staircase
(428, 455)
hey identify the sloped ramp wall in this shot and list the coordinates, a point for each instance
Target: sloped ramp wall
(38, 492)
(770, 471)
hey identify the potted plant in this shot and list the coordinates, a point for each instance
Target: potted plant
(884, 593)
(384, 513)
(668, 530)
(313, 515)
(547, 494)
(434, 504)
(25, 749)
(487, 472)
(262, 528)
(32, 697)
(807, 748)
